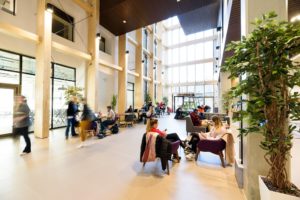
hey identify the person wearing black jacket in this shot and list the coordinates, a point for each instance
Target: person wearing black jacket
(71, 112)
(163, 149)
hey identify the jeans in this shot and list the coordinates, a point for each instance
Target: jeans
(24, 132)
(70, 122)
(106, 123)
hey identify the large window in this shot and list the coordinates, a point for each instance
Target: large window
(20, 70)
(145, 60)
(145, 38)
(102, 44)
(190, 63)
(62, 24)
(8, 6)
(130, 94)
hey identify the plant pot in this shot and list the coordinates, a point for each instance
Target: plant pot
(266, 194)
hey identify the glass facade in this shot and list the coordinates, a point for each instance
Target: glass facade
(19, 70)
(189, 62)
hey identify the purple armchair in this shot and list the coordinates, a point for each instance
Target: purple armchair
(213, 146)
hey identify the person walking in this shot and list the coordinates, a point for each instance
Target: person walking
(22, 122)
(71, 113)
(86, 122)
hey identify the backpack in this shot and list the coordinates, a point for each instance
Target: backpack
(115, 129)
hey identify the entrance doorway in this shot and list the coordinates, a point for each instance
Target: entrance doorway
(7, 94)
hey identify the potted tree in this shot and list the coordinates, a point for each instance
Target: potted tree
(114, 102)
(263, 59)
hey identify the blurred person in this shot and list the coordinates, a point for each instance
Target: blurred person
(129, 110)
(179, 113)
(71, 116)
(22, 121)
(87, 117)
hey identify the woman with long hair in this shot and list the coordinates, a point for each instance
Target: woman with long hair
(215, 133)
(152, 125)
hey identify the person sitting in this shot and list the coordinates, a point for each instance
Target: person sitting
(129, 110)
(207, 108)
(145, 107)
(172, 137)
(149, 115)
(109, 121)
(201, 112)
(179, 113)
(217, 131)
(195, 118)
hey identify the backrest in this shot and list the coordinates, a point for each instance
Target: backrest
(189, 123)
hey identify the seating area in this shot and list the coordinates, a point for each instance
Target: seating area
(146, 100)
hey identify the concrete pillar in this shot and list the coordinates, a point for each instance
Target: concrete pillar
(91, 90)
(254, 163)
(139, 83)
(43, 71)
(151, 66)
(122, 83)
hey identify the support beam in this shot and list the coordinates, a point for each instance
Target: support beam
(92, 65)
(85, 6)
(110, 65)
(43, 71)
(68, 50)
(122, 83)
(133, 73)
(139, 81)
(14, 31)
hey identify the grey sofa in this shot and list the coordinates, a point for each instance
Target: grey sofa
(190, 128)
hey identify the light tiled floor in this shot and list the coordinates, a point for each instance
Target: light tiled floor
(108, 169)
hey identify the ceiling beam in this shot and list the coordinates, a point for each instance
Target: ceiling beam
(85, 6)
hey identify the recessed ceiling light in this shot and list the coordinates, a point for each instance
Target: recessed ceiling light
(295, 18)
(124, 21)
(178, 0)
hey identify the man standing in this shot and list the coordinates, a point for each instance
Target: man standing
(22, 121)
(71, 113)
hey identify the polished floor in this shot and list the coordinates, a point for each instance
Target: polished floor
(108, 169)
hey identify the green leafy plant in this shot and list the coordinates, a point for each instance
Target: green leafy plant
(263, 60)
(148, 98)
(114, 102)
(73, 91)
(226, 102)
(166, 100)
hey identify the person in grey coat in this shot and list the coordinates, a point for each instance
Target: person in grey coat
(22, 121)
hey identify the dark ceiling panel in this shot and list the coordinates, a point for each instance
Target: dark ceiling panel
(293, 8)
(234, 28)
(201, 19)
(140, 13)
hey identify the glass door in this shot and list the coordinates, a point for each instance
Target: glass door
(7, 94)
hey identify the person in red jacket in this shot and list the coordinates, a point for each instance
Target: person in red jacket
(195, 118)
(152, 125)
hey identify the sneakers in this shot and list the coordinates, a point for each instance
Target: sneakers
(190, 157)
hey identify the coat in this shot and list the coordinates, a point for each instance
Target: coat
(163, 149)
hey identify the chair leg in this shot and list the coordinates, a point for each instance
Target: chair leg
(144, 164)
(197, 154)
(222, 158)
